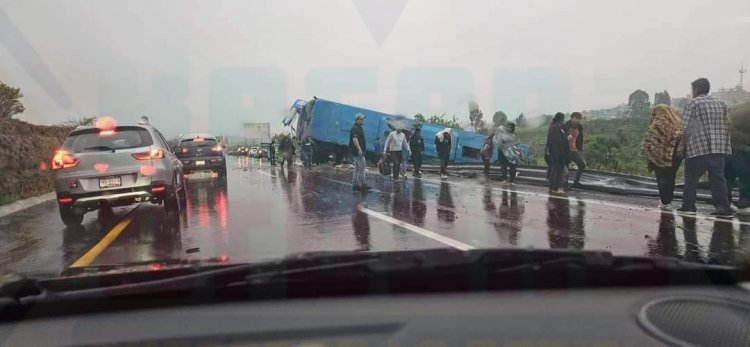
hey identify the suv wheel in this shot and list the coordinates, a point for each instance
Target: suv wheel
(172, 201)
(223, 173)
(183, 192)
(71, 217)
(172, 198)
(105, 212)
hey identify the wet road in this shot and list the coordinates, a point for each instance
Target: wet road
(263, 212)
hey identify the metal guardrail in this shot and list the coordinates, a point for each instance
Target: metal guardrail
(592, 180)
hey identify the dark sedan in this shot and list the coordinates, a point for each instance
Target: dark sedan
(202, 152)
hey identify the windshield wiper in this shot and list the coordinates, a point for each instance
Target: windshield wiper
(99, 148)
(492, 268)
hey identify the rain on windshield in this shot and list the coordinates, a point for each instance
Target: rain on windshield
(232, 132)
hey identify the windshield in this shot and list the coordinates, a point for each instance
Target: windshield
(121, 138)
(282, 127)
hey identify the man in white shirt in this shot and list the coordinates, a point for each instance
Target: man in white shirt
(393, 147)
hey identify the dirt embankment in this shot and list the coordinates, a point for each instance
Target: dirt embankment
(25, 154)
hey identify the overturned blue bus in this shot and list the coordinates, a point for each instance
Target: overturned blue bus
(328, 124)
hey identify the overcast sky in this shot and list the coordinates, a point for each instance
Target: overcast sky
(212, 65)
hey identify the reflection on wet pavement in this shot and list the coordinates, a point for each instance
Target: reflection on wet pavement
(266, 212)
(665, 243)
(445, 209)
(361, 225)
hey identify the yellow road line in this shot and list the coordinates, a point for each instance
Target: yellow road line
(94, 252)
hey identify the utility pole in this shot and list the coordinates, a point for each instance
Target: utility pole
(743, 70)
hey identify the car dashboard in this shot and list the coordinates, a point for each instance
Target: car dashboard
(649, 316)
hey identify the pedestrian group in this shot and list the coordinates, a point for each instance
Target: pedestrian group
(706, 138)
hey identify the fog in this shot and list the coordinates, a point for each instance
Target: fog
(212, 65)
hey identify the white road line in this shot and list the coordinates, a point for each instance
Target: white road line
(424, 232)
(265, 173)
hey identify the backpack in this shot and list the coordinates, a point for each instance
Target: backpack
(384, 166)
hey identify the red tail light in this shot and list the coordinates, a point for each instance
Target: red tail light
(217, 148)
(65, 201)
(158, 189)
(152, 154)
(185, 150)
(63, 160)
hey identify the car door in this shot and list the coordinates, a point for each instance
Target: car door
(175, 165)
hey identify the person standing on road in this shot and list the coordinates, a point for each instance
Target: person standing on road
(287, 151)
(272, 152)
(486, 155)
(508, 152)
(706, 136)
(574, 130)
(557, 147)
(358, 145)
(307, 151)
(659, 147)
(443, 144)
(405, 153)
(416, 145)
(738, 164)
(394, 145)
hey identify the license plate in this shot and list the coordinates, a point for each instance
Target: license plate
(110, 182)
(200, 162)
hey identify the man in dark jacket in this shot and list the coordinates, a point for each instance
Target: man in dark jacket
(272, 152)
(486, 155)
(574, 131)
(358, 146)
(287, 151)
(557, 148)
(417, 150)
(307, 152)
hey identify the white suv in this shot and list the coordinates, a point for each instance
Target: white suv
(97, 168)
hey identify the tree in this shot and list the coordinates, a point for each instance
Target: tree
(662, 98)
(521, 121)
(10, 103)
(419, 118)
(476, 117)
(547, 119)
(444, 121)
(499, 118)
(639, 103)
(83, 121)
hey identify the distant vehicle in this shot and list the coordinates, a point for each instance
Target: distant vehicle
(263, 153)
(102, 168)
(253, 153)
(242, 151)
(202, 152)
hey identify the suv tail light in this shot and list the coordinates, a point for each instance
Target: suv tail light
(63, 160)
(185, 150)
(217, 148)
(152, 154)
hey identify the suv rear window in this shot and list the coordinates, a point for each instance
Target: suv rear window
(89, 140)
(198, 143)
